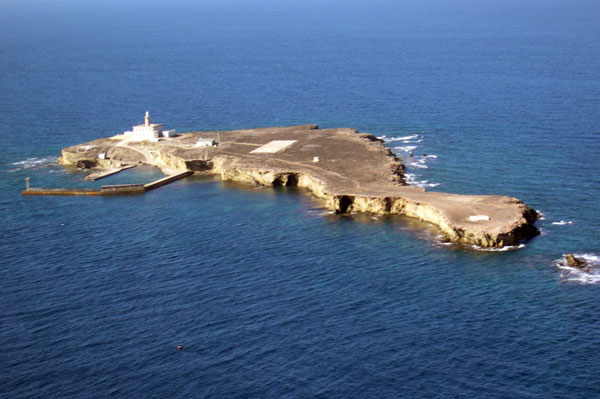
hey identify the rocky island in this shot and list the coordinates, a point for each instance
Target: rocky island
(350, 171)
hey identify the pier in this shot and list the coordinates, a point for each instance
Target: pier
(61, 191)
(116, 189)
(166, 180)
(106, 173)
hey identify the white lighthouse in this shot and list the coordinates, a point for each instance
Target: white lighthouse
(149, 131)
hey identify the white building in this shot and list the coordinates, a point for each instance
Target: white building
(149, 131)
(202, 142)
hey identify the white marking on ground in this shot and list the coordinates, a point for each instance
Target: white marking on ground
(478, 218)
(273, 146)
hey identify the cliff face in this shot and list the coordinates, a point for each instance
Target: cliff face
(354, 173)
(518, 229)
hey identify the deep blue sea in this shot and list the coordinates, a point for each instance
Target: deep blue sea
(269, 295)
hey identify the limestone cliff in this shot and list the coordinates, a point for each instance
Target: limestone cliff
(350, 172)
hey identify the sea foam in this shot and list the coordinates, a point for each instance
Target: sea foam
(562, 223)
(503, 249)
(406, 148)
(590, 275)
(404, 138)
(31, 163)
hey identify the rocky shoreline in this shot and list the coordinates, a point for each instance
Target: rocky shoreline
(349, 171)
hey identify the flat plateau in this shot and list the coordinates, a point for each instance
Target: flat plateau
(350, 171)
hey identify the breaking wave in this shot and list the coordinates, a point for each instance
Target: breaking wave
(404, 138)
(503, 249)
(406, 148)
(412, 180)
(590, 274)
(414, 162)
(563, 223)
(31, 163)
(420, 164)
(411, 137)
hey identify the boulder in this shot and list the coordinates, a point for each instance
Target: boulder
(574, 261)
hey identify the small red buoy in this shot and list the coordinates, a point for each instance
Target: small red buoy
(179, 347)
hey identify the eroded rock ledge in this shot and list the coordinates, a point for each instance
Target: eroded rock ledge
(350, 171)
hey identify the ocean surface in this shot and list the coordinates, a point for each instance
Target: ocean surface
(269, 294)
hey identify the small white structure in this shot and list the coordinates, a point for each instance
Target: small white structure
(479, 218)
(149, 131)
(202, 142)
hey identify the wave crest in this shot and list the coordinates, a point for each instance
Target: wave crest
(590, 274)
(31, 163)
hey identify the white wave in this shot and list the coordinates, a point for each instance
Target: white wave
(430, 156)
(31, 163)
(412, 141)
(589, 275)
(562, 223)
(541, 214)
(411, 179)
(503, 249)
(419, 165)
(411, 137)
(404, 138)
(317, 213)
(406, 148)
(440, 239)
(594, 259)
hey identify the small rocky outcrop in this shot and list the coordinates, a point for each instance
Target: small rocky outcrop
(573, 261)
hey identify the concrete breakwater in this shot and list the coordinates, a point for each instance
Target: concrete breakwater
(116, 189)
(121, 189)
(349, 171)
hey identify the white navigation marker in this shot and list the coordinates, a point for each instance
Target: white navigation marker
(273, 146)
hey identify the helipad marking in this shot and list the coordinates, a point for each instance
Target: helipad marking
(274, 146)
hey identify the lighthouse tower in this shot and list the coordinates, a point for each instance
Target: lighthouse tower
(147, 131)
